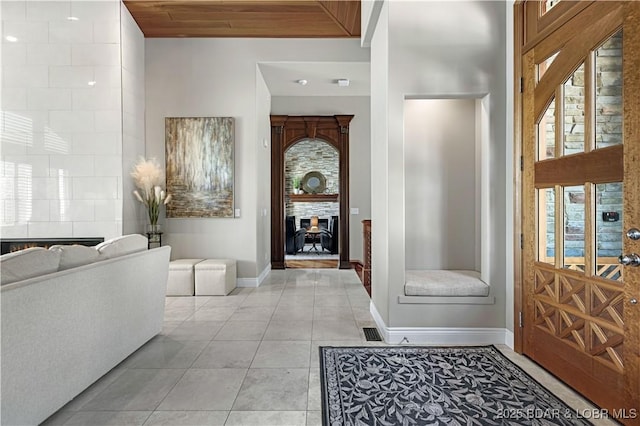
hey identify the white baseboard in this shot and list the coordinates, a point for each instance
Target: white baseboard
(509, 339)
(254, 282)
(440, 335)
(264, 273)
(247, 282)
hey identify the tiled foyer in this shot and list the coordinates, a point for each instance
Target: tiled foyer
(250, 358)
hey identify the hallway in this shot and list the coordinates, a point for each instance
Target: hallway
(249, 358)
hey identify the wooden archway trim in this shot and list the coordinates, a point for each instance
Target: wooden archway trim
(286, 130)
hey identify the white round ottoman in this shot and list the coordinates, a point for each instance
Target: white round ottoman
(215, 277)
(181, 280)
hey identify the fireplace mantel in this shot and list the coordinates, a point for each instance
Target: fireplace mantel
(329, 198)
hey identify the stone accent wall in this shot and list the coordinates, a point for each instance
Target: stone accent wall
(306, 156)
(608, 132)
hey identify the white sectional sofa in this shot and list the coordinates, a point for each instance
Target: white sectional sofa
(63, 330)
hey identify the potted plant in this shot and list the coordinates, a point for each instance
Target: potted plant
(296, 185)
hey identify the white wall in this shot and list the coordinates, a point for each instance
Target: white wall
(441, 210)
(218, 77)
(61, 138)
(263, 183)
(380, 188)
(134, 215)
(359, 150)
(435, 50)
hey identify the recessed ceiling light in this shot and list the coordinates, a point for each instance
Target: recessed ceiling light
(343, 82)
(73, 18)
(91, 83)
(11, 38)
(302, 82)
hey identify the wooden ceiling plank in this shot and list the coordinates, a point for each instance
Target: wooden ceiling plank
(235, 16)
(243, 18)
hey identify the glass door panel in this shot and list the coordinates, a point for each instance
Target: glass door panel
(608, 95)
(546, 225)
(574, 225)
(544, 65)
(609, 230)
(547, 133)
(573, 112)
(547, 5)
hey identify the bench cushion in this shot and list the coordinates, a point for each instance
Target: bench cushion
(444, 283)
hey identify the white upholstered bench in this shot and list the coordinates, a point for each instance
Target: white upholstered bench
(444, 283)
(181, 280)
(215, 277)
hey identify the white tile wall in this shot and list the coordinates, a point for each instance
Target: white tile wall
(71, 31)
(106, 32)
(40, 98)
(26, 32)
(133, 113)
(71, 121)
(48, 54)
(14, 98)
(14, 53)
(94, 98)
(108, 121)
(25, 75)
(48, 11)
(95, 54)
(68, 77)
(13, 10)
(61, 140)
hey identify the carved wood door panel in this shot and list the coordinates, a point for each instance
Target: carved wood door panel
(580, 195)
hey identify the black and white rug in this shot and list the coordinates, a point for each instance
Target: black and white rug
(433, 386)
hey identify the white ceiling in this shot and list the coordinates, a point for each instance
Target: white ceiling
(281, 78)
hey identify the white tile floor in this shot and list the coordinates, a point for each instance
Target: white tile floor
(250, 358)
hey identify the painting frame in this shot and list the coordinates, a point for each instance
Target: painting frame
(200, 166)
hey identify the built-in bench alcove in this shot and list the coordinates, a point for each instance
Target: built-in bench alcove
(447, 207)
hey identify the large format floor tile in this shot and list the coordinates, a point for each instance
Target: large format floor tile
(276, 354)
(166, 353)
(249, 358)
(267, 418)
(187, 418)
(205, 389)
(273, 389)
(136, 390)
(227, 354)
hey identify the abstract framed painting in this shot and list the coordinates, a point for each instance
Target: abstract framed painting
(200, 166)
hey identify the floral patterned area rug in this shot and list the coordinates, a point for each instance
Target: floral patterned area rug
(433, 386)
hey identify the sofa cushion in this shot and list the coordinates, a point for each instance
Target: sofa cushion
(75, 255)
(119, 246)
(28, 263)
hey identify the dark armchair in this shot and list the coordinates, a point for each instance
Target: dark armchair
(294, 241)
(299, 240)
(329, 236)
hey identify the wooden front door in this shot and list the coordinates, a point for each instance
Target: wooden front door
(580, 196)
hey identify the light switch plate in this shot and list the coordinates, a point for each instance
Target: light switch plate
(237, 213)
(355, 210)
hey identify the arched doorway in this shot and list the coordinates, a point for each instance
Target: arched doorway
(286, 131)
(308, 162)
